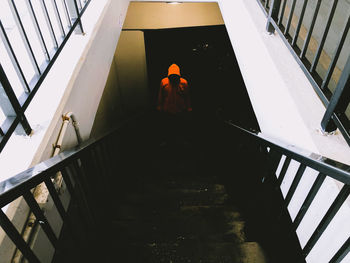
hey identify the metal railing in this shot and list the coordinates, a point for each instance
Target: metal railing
(51, 24)
(78, 168)
(280, 154)
(323, 56)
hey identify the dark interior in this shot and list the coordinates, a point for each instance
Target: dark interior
(171, 204)
(207, 61)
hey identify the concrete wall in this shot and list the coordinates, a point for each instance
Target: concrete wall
(75, 83)
(110, 109)
(132, 72)
(126, 92)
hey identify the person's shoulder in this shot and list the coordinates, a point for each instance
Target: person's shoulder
(183, 81)
(164, 81)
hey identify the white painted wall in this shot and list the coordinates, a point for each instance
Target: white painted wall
(75, 83)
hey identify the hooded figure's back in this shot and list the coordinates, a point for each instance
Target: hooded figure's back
(173, 95)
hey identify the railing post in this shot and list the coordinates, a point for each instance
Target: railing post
(73, 10)
(339, 100)
(9, 102)
(273, 15)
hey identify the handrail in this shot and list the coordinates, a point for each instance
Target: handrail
(40, 192)
(36, 173)
(81, 164)
(334, 97)
(78, 167)
(332, 168)
(14, 107)
(275, 150)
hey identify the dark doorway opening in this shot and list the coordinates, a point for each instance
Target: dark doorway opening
(207, 61)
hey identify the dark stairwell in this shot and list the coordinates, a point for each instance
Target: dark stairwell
(201, 201)
(201, 198)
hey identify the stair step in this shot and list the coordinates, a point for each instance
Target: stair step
(183, 251)
(252, 253)
(236, 228)
(163, 229)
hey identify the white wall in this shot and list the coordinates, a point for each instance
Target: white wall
(75, 83)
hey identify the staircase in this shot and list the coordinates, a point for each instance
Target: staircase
(168, 204)
(175, 211)
(212, 196)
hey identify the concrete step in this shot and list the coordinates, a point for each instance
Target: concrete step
(252, 253)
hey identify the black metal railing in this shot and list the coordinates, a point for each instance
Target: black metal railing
(52, 23)
(77, 169)
(282, 155)
(80, 166)
(324, 57)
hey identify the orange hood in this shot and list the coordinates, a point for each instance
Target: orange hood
(174, 70)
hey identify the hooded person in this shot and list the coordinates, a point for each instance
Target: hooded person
(173, 96)
(174, 103)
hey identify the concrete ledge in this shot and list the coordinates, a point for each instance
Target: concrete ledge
(284, 101)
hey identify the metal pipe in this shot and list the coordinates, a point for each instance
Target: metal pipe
(66, 119)
(40, 193)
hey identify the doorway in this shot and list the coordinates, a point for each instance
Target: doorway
(207, 61)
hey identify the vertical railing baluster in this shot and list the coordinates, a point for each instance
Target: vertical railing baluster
(273, 15)
(295, 183)
(308, 200)
(339, 99)
(16, 238)
(13, 58)
(58, 18)
(342, 252)
(66, 13)
(311, 29)
(79, 4)
(78, 16)
(75, 198)
(324, 36)
(60, 208)
(297, 30)
(79, 184)
(336, 56)
(56, 199)
(289, 21)
(49, 24)
(37, 29)
(44, 223)
(24, 37)
(280, 18)
(284, 170)
(332, 211)
(68, 182)
(107, 158)
(5, 84)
